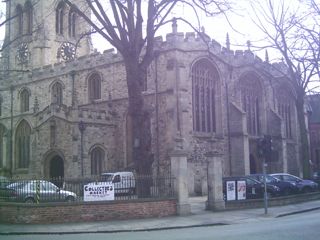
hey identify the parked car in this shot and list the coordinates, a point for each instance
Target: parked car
(5, 193)
(303, 185)
(285, 187)
(26, 191)
(124, 182)
(254, 188)
(316, 178)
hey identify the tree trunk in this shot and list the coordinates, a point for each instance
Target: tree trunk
(304, 147)
(141, 127)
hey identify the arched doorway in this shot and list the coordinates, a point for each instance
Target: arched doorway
(56, 170)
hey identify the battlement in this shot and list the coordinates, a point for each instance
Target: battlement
(189, 41)
(84, 62)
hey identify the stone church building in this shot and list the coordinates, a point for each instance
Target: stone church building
(64, 107)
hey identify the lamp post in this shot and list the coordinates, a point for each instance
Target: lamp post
(265, 151)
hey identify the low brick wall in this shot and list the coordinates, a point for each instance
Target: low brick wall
(83, 212)
(279, 201)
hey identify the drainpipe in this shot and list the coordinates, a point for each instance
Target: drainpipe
(11, 132)
(9, 32)
(157, 112)
(82, 127)
(177, 96)
(228, 120)
(73, 73)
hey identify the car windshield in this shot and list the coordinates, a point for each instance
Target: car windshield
(107, 177)
(16, 185)
(270, 179)
(291, 178)
(49, 186)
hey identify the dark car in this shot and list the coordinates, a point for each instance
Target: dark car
(285, 187)
(303, 185)
(316, 178)
(254, 188)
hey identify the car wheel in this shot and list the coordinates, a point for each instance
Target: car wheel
(286, 192)
(29, 200)
(70, 199)
(306, 190)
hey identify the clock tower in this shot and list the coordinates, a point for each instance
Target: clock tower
(44, 32)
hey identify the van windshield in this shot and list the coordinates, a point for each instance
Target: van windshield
(107, 177)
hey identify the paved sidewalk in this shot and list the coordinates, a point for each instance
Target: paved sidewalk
(199, 217)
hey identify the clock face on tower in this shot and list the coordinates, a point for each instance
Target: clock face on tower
(67, 51)
(23, 53)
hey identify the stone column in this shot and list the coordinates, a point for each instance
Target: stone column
(179, 171)
(215, 184)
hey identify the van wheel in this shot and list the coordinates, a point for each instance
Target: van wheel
(29, 200)
(70, 199)
(132, 191)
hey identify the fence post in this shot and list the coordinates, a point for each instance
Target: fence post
(179, 170)
(215, 187)
(37, 191)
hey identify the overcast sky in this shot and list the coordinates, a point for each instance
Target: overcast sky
(216, 27)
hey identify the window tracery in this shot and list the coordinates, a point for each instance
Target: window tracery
(97, 157)
(22, 143)
(251, 99)
(204, 80)
(94, 83)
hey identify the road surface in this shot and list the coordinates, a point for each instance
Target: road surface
(295, 227)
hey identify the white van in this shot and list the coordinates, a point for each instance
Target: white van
(124, 182)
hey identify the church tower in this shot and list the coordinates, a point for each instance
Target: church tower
(43, 32)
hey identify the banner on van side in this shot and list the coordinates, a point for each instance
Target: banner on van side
(99, 191)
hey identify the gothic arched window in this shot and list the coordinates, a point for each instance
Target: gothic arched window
(19, 20)
(2, 135)
(24, 100)
(94, 83)
(59, 18)
(204, 81)
(72, 23)
(57, 93)
(285, 109)
(251, 95)
(28, 17)
(22, 145)
(97, 158)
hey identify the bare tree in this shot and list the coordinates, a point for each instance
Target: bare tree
(294, 33)
(130, 26)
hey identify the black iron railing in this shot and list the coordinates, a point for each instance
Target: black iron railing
(97, 188)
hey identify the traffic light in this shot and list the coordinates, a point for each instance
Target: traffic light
(265, 147)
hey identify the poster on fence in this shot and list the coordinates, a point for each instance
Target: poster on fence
(231, 190)
(99, 191)
(241, 187)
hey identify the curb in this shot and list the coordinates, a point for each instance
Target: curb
(297, 212)
(114, 231)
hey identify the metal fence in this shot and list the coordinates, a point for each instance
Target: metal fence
(97, 188)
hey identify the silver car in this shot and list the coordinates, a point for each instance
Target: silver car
(32, 191)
